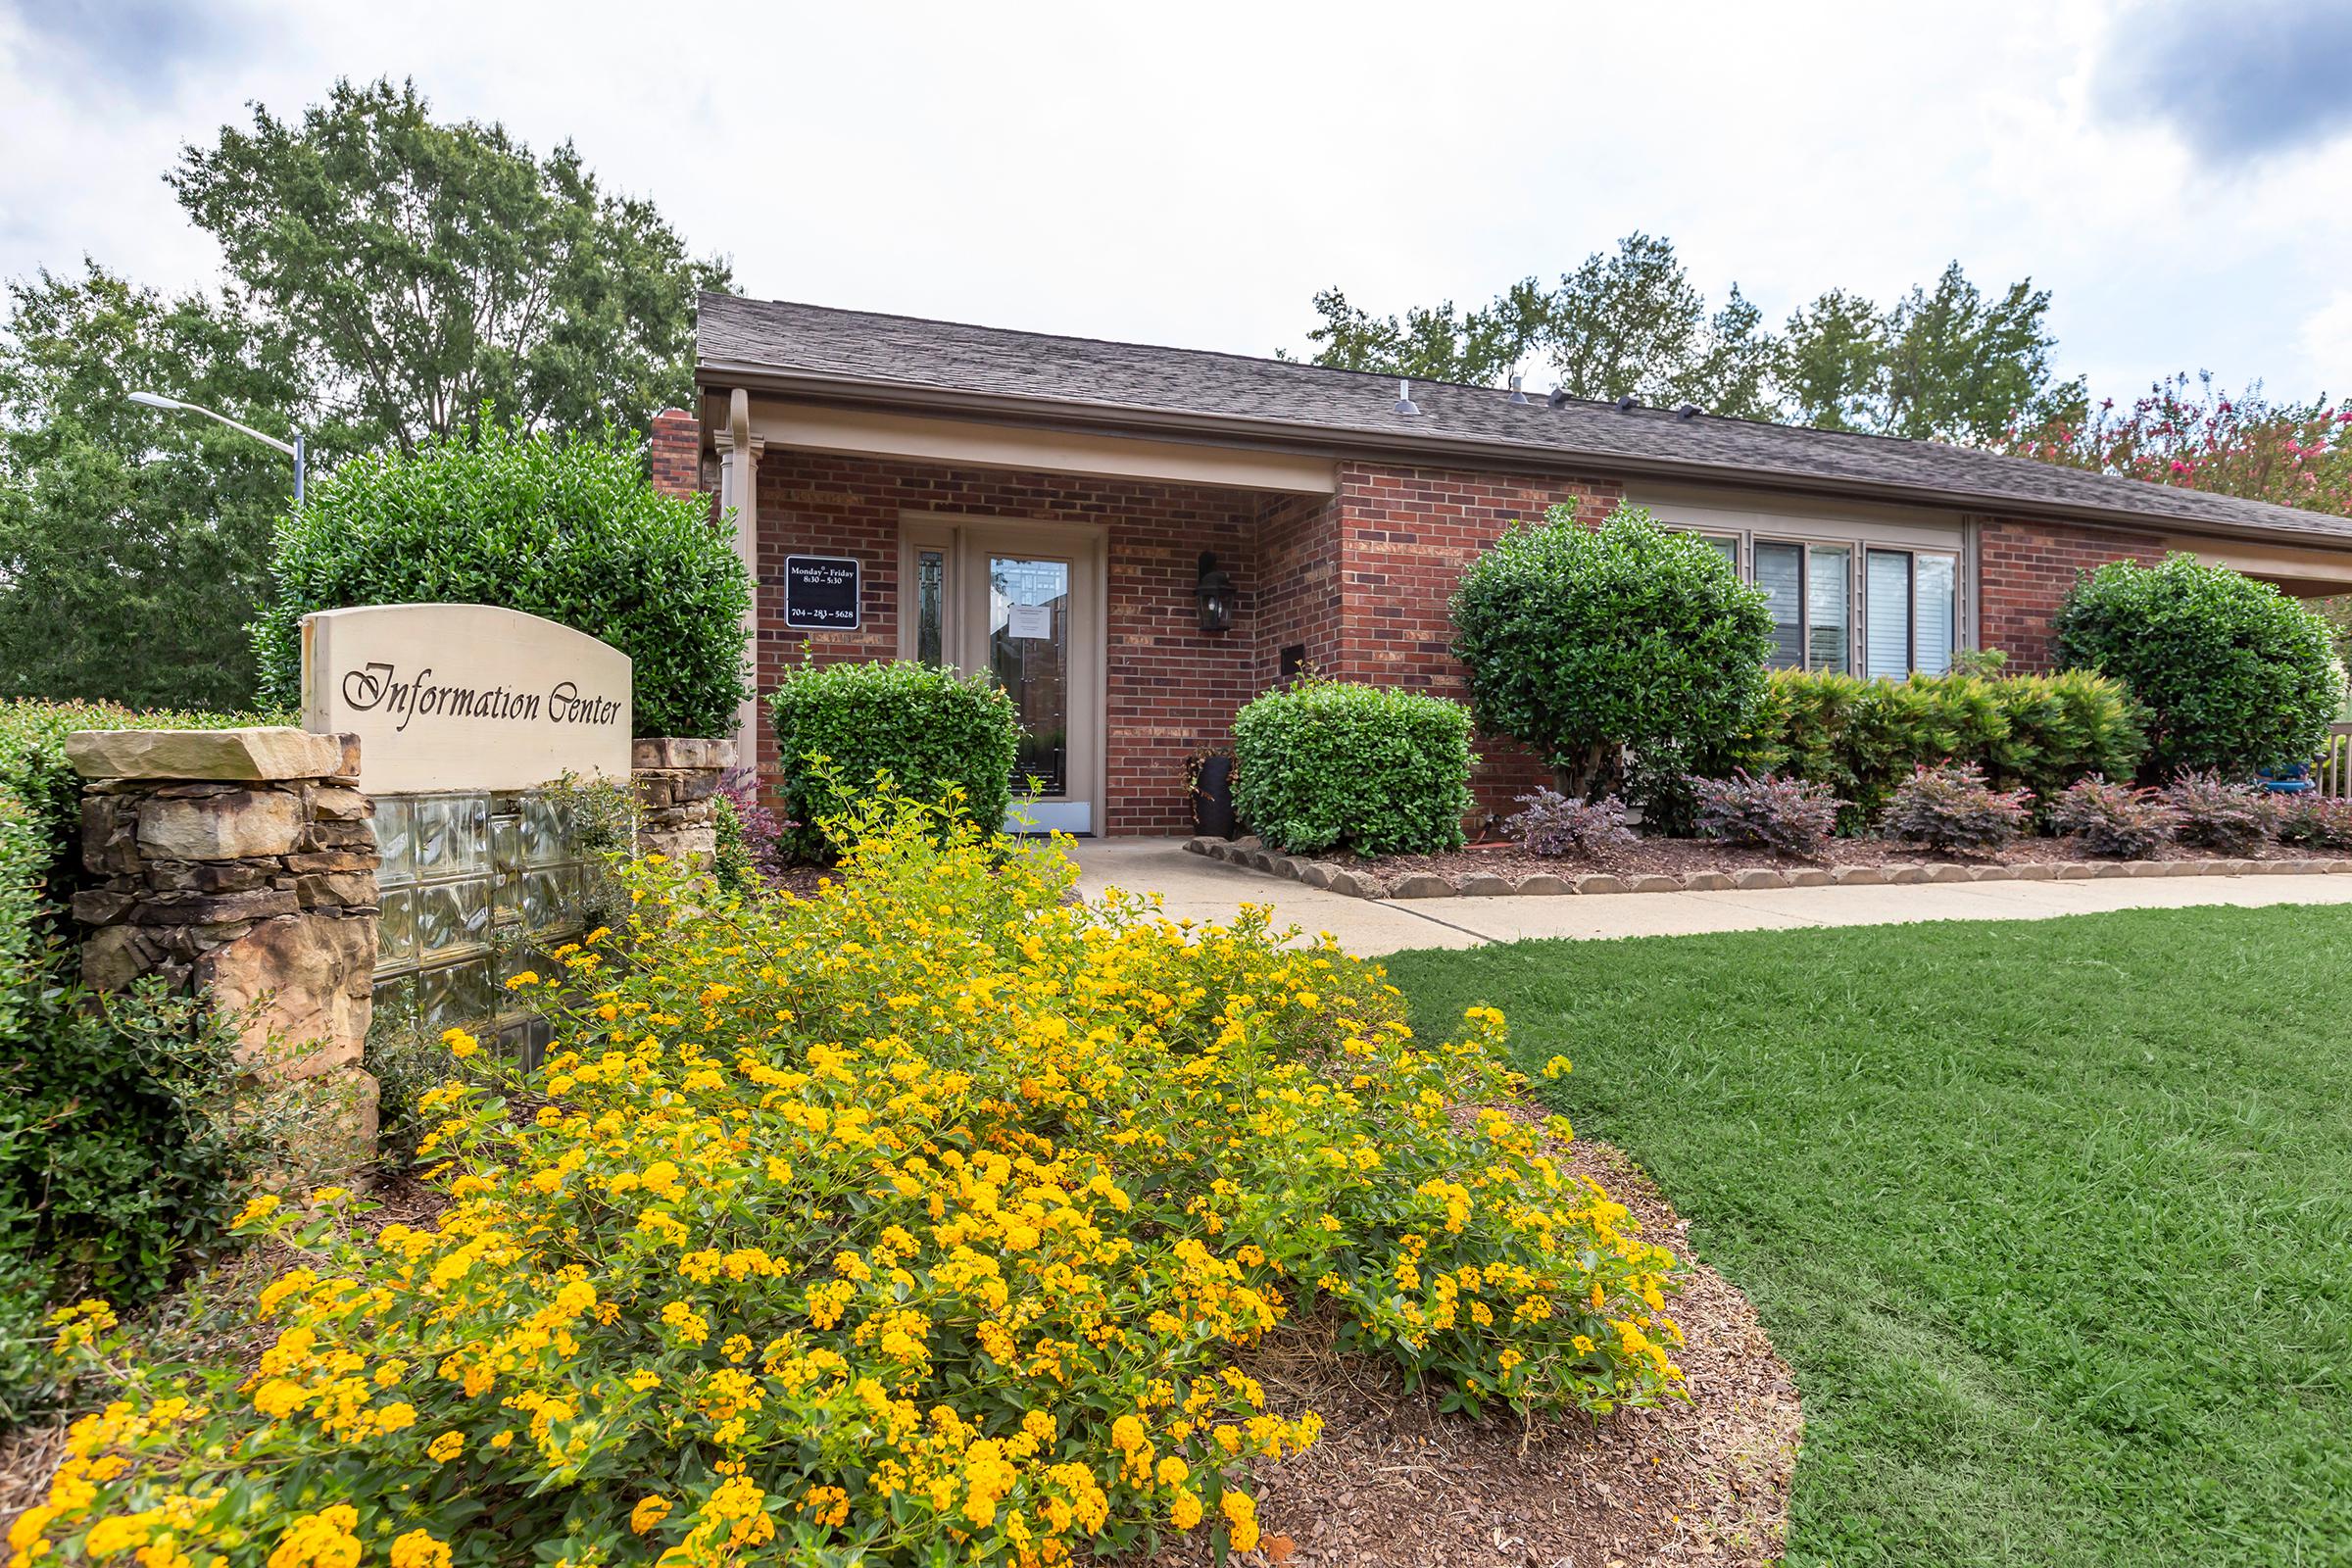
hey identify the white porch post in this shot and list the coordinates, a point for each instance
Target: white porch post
(739, 494)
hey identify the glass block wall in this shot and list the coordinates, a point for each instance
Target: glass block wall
(476, 888)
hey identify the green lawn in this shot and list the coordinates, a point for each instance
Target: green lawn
(2052, 1219)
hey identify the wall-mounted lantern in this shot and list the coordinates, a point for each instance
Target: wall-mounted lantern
(1215, 593)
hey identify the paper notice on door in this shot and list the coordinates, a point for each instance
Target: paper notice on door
(1032, 621)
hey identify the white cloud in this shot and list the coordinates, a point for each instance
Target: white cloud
(1192, 174)
(2327, 344)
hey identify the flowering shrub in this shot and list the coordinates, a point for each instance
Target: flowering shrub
(2322, 821)
(1951, 807)
(1556, 824)
(2293, 453)
(2221, 815)
(1787, 815)
(2114, 819)
(917, 1222)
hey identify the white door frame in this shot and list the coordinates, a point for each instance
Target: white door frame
(966, 541)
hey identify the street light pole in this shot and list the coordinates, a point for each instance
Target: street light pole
(293, 449)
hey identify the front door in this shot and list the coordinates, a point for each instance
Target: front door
(1023, 602)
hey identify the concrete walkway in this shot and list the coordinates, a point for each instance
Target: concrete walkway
(1194, 887)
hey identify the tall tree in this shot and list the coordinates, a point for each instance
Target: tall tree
(1946, 363)
(429, 268)
(134, 544)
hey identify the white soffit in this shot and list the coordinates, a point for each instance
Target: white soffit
(862, 433)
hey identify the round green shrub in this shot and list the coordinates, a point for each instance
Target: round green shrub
(1580, 642)
(570, 531)
(2235, 675)
(1323, 764)
(932, 730)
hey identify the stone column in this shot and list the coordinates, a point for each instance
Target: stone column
(239, 862)
(674, 780)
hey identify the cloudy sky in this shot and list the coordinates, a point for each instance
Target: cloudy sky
(2179, 175)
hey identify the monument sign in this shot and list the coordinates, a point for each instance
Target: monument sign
(467, 697)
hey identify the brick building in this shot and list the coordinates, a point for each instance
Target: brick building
(1141, 539)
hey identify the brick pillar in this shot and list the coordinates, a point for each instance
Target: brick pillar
(674, 780)
(239, 862)
(677, 453)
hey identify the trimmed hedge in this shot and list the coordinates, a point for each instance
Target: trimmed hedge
(116, 1151)
(569, 532)
(1862, 738)
(2234, 674)
(1323, 764)
(1580, 642)
(932, 730)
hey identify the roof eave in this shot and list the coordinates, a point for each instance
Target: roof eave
(1294, 436)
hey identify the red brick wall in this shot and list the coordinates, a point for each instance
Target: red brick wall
(1405, 535)
(2024, 572)
(675, 453)
(1298, 600)
(1172, 688)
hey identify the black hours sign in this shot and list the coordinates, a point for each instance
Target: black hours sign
(820, 593)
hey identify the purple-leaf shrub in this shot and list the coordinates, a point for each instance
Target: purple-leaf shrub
(1788, 815)
(2322, 821)
(2115, 820)
(1950, 808)
(2221, 816)
(1560, 824)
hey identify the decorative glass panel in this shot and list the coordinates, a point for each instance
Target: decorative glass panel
(1828, 608)
(396, 929)
(1938, 615)
(1780, 573)
(1887, 614)
(930, 599)
(457, 996)
(451, 835)
(545, 839)
(482, 886)
(392, 840)
(452, 916)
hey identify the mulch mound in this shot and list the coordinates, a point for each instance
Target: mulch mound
(1393, 1484)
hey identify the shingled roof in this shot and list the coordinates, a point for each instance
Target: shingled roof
(946, 364)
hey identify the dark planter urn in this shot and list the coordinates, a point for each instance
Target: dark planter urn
(1212, 799)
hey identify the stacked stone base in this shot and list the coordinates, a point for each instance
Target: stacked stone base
(240, 863)
(676, 779)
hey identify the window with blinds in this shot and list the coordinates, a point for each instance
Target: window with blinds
(1780, 573)
(1907, 602)
(1886, 609)
(1828, 608)
(1935, 611)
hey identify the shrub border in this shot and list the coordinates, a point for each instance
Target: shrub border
(1251, 855)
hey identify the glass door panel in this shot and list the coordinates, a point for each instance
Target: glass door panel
(1029, 650)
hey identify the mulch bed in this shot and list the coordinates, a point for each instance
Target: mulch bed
(1393, 1484)
(1656, 856)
